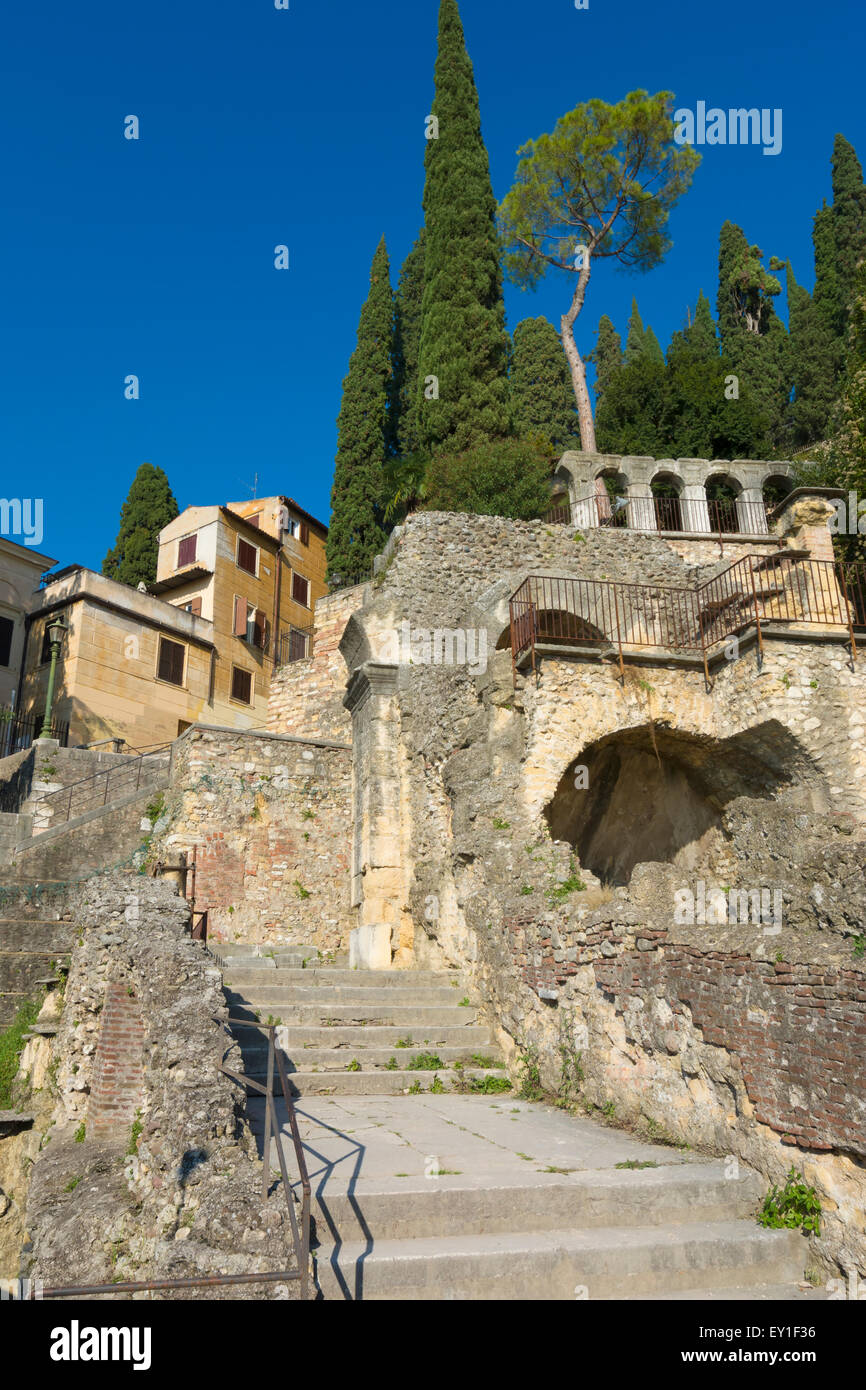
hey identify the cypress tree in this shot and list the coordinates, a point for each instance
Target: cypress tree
(463, 339)
(698, 419)
(150, 505)
(355, 535)
(407, 340)
(849, 225)
(542, 396)
(634, 342)
(607, 356)
(814, 360)
(847, 461)
(754, 340)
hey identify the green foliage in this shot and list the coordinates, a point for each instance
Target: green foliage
(80, 1134)
(438, 1088)
(633, 1163)
(403, 422)
(301, 891)
(355, 535)
(529, 1080)
(150, 505)
(796, 1206)
(155, 808)
(134, 1135)
(542, 396)
(426, 1061)
(11, 1047)
(607, 179)
(848, 228)
(392, 1064)
(814, 366)
(606, 357)
(488, 1085)
(463, 342)
(404, 486)
(354, 1065)
(509, 478)
(754, 340)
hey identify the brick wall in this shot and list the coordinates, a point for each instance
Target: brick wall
(118, 1075)
(267, 819)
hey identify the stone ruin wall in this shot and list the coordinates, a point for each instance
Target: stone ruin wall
(266, 819)
(140, 1164)
(722, 1037)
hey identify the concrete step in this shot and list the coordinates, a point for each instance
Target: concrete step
(372, 1083)
(324, 996)
(601, 1263)
(334, 978)
(405, 1017)
(386, 1037)
(466, 1204)
(371, 1058)
(287, 957)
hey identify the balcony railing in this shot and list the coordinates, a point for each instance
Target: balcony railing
(295, 644)
(756, 592)
(672, 515)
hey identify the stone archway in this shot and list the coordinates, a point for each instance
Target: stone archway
(655, 794)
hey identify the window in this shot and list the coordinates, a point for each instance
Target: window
(170, 667)
(186, 551)
(301, 589)
(305, 533)
(45, 654)
(193, 606)
(7, 627)
(255, 520)
(250, 623)
(242, 685)
(298, 642)
(248, 556)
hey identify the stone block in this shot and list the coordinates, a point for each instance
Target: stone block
(370, 947)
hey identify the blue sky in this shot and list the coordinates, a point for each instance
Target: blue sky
(306, 127)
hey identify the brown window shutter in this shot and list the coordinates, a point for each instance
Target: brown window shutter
(170, 661)
(195, 607)
(259, 622)
(246, 556)
(305, 533)
(240, 619)
(255, 520)
(186, 551)
(242, 685)
(300, 589)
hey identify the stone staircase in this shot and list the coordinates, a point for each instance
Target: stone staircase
(426, 1186)
(360, 1032)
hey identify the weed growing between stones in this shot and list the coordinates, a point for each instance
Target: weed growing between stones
(11, 1047)
(426, 1061)
(795, 1206)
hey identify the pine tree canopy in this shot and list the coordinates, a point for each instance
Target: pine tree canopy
(355, 535)
(462, 388)
(150, 505)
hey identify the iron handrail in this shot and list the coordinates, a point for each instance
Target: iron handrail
(121, 769)
(300, 1234)
(756, 590)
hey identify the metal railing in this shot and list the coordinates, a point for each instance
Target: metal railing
(18, 731)
(294, 644)
(755, 592)
(90, 792)
(711, 517)
(300, 1231)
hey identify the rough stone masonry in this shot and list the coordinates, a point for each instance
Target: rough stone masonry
(541, 834)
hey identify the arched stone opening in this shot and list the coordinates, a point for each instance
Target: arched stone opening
(723, 492)
(775, 489)
(667, 489)
(654, 794)
(611, 490)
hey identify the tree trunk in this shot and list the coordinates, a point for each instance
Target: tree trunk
(575, 362)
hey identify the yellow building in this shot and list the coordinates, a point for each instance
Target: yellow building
(234, 596)
(21, 569)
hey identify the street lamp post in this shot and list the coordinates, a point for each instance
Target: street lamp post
(55, 629)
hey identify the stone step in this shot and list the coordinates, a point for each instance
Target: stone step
(600, 1263)
(371, 1083)
(475, 1037)
(406, 1017)
(332, 977)
(371, 1058)
(466, 1204)
(287, 956)
(324, 996)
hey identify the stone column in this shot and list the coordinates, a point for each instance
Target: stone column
(694, 509)
(641, 512)
(379, 870)
(751, 512)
